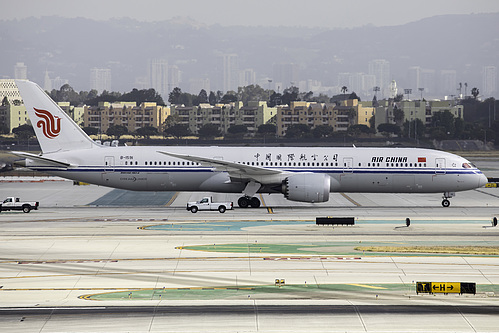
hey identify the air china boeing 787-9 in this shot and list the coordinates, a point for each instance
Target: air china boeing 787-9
(300, 173)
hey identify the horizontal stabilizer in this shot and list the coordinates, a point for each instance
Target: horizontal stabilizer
(43, 160)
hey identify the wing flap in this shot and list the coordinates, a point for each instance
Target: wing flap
(235, 170)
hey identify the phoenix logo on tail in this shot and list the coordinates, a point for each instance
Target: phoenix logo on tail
(50, 125)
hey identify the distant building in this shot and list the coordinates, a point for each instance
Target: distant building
(196, 85)
(448, 82)
(489, 78)
(13, 113)
(247, 77)
(308, 113)
(158, 77)
(228, 69)
(9, 89)
(339, 116)
(417, 109)
(100, 79)
(380, 68)
(75, 112)
(49, 84)
(20, 71)
(174, 79)
(224, 116)
(285, 75)
(127, 114)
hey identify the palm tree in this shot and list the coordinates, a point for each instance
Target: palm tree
(475, 92)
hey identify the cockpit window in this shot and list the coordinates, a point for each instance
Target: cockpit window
(469, 165)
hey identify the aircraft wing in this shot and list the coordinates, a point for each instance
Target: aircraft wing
(236, 170)
(43, 160)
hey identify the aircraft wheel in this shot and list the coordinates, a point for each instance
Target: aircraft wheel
(255, 202)
(445, 203)
(243, 202)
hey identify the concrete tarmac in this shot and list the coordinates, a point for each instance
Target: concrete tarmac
(132, 267)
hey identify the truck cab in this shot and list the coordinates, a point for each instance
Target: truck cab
(207, 204)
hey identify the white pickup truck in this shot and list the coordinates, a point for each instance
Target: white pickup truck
(12, 203)
(208, 204)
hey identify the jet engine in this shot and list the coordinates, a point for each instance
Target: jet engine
(307, 187)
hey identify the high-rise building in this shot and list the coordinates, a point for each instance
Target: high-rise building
(158, 76)
(100, 79)
(285, 75)
(174, 80)
(414, 77)
(448, 82)
(196, 85)
(47, 83)
(489, 78)
(20, 71)
(381, 69)
(247, 77)
(427, 81)
(228, 67)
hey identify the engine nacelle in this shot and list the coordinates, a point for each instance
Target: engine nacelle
(307, 187)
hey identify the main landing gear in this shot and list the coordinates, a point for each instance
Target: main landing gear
(446, 197)
(246, 201)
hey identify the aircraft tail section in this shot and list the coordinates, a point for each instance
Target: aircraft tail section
(54, 129)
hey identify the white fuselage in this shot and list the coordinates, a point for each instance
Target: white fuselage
(405, 170)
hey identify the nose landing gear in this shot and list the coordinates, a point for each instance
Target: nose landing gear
(446, 197)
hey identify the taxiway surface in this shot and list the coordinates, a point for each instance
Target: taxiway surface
(84, 263)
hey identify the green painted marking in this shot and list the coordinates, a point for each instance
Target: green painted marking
(330, 248)
(299, 290)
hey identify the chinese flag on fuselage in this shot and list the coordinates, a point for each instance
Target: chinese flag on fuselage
(421, 159)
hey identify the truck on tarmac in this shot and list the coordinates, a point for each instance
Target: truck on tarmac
(13, 203)
(207, 204)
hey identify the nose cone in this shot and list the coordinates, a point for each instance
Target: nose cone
(482, 180)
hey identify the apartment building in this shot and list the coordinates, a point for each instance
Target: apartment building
(422, 110)
(307, 113)
(224, 116)
(127, 114)
(339, 117)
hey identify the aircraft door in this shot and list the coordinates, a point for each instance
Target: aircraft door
(347, 164)
(440, 166)
(109, 164)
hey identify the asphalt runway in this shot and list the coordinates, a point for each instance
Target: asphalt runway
(93, 259)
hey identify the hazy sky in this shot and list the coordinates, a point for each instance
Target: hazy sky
(310, 13)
